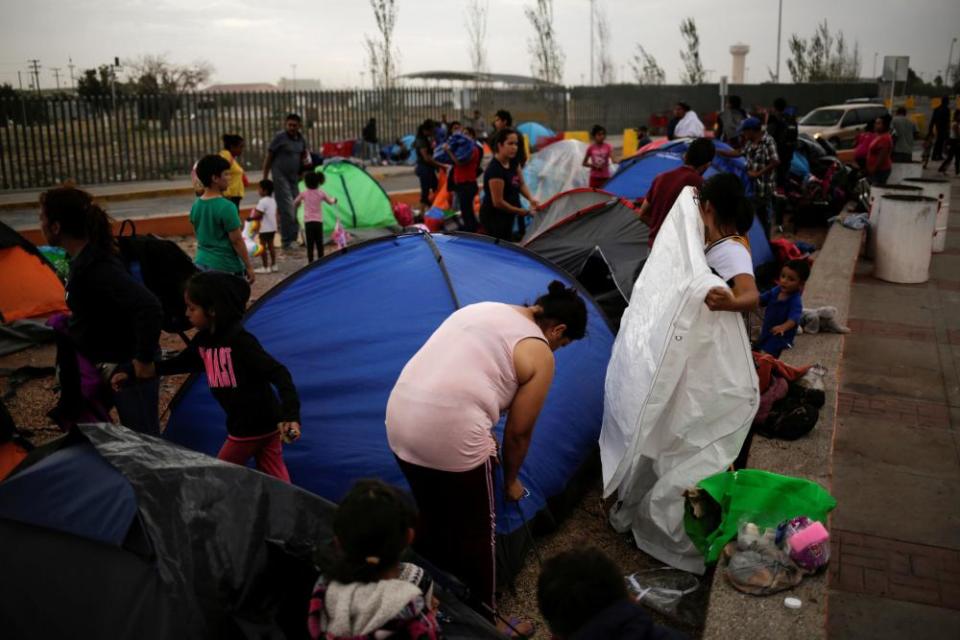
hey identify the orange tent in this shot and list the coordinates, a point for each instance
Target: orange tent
(29, 286)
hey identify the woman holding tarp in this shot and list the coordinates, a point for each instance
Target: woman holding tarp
(503, 185)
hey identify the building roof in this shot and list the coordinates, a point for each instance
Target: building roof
(470, 76)
(243, 87)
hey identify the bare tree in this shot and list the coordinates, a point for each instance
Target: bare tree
(156, 74)
(477, 11)
(547, 63)
(382, 56)
(645, 68)
(606, 70)
(824, 57)
(693, 69)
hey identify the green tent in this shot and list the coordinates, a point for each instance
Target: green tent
(361, 201)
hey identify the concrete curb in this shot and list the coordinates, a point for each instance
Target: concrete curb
(177, 224)
(732, 615)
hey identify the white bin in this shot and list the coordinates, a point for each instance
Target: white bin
(876, 193)
(901, 171)
(903, 238)
(939, 189)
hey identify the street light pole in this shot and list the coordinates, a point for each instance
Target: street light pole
(946, 74)
(779, 33)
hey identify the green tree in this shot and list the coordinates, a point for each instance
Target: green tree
(548, 58)
(825, 57)
(645, 68)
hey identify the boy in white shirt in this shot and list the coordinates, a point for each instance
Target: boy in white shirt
(266, 213)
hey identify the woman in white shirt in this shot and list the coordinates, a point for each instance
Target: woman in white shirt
(727, 216)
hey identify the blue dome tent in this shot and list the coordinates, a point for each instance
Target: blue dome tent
(346, 326)
(534, 131)
(635, 175)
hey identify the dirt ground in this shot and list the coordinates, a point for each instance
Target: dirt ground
(587, 525)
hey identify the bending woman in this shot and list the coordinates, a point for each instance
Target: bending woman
(502, 186)
(484, 359)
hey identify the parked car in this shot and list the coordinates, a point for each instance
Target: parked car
(839, 124)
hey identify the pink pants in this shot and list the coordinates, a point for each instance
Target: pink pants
(266, 449)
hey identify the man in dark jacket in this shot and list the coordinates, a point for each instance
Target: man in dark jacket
(782, 127)
(582, 596)
(940, 122)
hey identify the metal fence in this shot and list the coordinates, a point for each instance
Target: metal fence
(46, 140)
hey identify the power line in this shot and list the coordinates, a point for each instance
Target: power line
(71, 66)
(35, 70)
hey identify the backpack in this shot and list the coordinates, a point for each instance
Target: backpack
(162, 267)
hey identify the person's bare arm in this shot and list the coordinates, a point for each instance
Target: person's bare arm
(525, 192)
(534, 364)
(267, 163)
(428, 158)
(781, 329)
(729, 153)
(236, 239)
(586, 159)
(743, 297)
(496, 197)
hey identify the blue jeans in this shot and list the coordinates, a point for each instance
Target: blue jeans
(138, 405)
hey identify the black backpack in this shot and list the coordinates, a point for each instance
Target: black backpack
(163, 268)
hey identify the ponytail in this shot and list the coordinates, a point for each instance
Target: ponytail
(725, 192)
(371, 525)
(79, 216)
(563, 305)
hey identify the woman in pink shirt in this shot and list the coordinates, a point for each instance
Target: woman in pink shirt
(598, 157)
(312, 200)
(486, 358)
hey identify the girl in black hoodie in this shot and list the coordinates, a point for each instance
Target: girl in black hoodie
(240, 374)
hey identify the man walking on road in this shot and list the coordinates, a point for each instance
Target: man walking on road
(940, 122)
(905, 132)
(286, 155)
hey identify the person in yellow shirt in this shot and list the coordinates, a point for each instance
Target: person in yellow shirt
(232, 148)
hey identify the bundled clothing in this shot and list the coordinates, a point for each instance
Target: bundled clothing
(689, 126)
(399, 607)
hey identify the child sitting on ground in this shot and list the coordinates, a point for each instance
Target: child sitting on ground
(266, 213)
(312, 200)
(240, 374)
(784, 309)
(367, 592)
(582, 595)
(598, 157)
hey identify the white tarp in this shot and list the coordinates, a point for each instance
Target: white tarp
(557, 168)
(681, 392)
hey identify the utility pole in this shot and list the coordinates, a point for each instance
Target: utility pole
(56, 76)
(779, 33)
(293, 69)
(591, 42)
(946, 74)
(71, 66)
(20, 80)
(875, 54)
(35, 70)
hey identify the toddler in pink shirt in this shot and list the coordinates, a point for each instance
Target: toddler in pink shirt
(312, 199)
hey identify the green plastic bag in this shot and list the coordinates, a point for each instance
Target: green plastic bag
(751, 495)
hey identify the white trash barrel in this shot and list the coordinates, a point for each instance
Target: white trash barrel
(903, 238)
(876, 194)
(901, 171)
(940, 189)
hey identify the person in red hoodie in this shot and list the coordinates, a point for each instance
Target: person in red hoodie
(880, 153)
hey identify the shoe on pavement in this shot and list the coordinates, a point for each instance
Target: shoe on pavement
(274, 268)
(261, 270)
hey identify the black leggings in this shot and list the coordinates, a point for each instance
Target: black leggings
(428, 183)
(466, 192)
(953, 153)
(455, 530)
(314, 236)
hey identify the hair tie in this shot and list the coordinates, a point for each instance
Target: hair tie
(372, 560)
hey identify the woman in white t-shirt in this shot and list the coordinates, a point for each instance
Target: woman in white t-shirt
(727, 217)
(266, 213)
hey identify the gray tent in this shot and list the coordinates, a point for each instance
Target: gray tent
(596, 237)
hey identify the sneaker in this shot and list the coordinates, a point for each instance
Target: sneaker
(274, 268)
(261, 270)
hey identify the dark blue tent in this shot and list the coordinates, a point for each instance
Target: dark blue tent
(635, 175)
(125, 535)
(346, 326)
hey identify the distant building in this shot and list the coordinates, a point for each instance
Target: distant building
(241, 87)
(300, 84)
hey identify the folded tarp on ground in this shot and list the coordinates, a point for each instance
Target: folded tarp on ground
(681, 392)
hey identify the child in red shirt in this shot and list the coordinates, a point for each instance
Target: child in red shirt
(598, 157)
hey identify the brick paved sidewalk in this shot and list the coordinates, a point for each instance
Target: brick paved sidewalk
(895, 571)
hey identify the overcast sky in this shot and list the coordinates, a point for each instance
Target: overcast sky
(250, 41)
